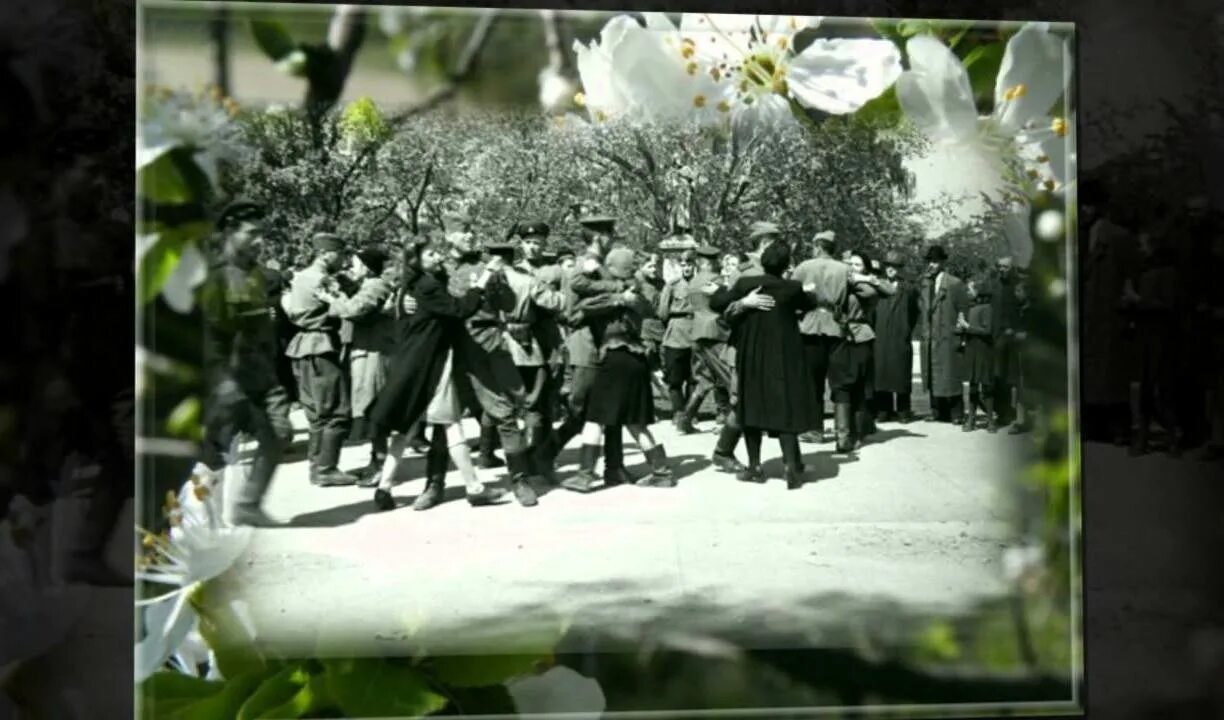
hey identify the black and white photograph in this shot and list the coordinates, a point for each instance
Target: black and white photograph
(507, 362)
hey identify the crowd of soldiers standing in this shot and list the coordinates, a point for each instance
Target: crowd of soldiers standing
(545, 344)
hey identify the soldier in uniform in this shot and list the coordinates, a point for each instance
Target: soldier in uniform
(582, 354)
(315, 350)
(710, 339)
(371, 318)
(532, 334)
(240, 341)
(677, 312)
(488, 379)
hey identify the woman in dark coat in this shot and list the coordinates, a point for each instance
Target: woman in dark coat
(421, 379)
(774, 389)
(852, 363)
(896, 316)
(621, 395)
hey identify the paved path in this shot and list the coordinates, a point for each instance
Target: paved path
(916, 522)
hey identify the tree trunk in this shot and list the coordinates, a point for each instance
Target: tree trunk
(219, 29)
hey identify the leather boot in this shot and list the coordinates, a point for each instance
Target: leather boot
(614, 459)
(435, 477)
(420, 439)
(519, 464)
(367, 477)
(249, 495)
(842, 421)
(724, 450)
(329, 474)
(488, 441)
(794, 477)
(312, 455)
(585, 480)
(660, 474)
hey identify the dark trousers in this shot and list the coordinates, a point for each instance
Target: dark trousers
(265, 416)
(947, 409)
(678, 374)
(892, 403)
(982, 397)
(1005, 409)
(539, 400)
(323, 391)
(712, 375)
(580, 381)
(816, 352)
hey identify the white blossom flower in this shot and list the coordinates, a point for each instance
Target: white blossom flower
(631, 70)
(557, 91)
(197, 548)
(935, 93)
(758, 74)
(559, 690)
(199, 122)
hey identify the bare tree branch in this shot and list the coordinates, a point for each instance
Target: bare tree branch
(416, 204)
(458, 73)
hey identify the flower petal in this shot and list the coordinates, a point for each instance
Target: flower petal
(841, 76)
(1018, 234)
(595, 69)
(191, 270)
(560, 690)
(658, 83)
(767, 112)
(935, 93)
(775, 26)
(166, 625)
(1035, 58)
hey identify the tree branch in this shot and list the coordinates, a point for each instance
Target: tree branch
(416, 204)
(457, 74)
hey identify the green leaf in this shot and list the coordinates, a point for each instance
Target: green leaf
(885, 109)
(960, 35)
(273, 39)
(158, 261)
(184, 420)
(165, 693)
(173, 696)
(375, 688)
(471, 671)
(234, 647)
(311, 699)
(938, 642)
(163, 181)
(983, 64)
(274, 692)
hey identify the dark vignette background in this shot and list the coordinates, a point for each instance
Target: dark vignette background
(1153, 527)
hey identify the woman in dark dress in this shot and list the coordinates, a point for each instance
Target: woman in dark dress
(977, 330)
(622, 394)
(421, 379)
(774, 390)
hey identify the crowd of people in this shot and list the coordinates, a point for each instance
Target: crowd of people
(1151, 342)
(545, 343)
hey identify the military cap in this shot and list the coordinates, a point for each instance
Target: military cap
(373, 258)
(892, 257)
(532, 229)
(936, 253)
(825, 235)
(327, 242)
(708, 251)
(548, 257)
(604, 224)
(563, 253)
(239, 211)
(504, 247)
(762, 229)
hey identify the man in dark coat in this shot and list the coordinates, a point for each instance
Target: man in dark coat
(490, 382)
(823, 328)
(322, 381)
(895, 318)
(245, 396)
(943, 303)
(1004, 325)
(675, 309)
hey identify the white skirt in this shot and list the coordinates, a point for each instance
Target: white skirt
(444, 407)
